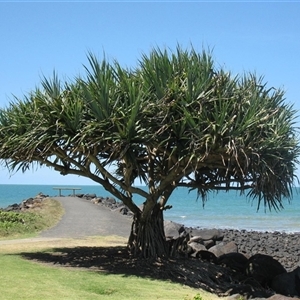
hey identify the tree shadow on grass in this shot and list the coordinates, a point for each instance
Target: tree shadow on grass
(188, 271)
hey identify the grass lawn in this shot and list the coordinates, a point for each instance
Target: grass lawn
(24, 279)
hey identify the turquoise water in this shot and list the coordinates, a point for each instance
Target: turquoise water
(222, 210)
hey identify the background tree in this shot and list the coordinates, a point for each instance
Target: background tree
(175, 120)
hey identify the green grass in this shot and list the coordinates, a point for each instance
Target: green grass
(26, 279)
(22, 279)
(30, 222)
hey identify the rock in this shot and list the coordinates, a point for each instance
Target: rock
(90, 196)
(30, 203)
(197, 239)
(217, 250)
(27, 203)
(249, 290)
(122, 209)
(264, 269)
(96, 200)
(208, 234)
(230, 247)
(209, 243)
(206, 255)
(41, 195)
(12, 207)
(222, 248)
(173, 230)
(196, 246)
(234, 261)
(279, 297)
(284, 247)
(79, 195)
(109, 200)
(287, 284)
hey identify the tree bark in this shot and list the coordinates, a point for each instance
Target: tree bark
(147, 237)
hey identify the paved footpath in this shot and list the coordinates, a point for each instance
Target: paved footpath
(82, 218)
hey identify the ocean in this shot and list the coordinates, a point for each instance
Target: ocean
(224, 210)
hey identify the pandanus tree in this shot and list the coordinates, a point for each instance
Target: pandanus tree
(174, 120)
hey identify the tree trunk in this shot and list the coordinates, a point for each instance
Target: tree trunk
(147, 237)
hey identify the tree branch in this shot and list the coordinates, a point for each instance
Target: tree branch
(108, 175)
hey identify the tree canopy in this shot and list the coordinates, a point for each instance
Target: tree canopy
(173, 120)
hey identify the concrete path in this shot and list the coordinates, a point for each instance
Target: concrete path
(83, 218)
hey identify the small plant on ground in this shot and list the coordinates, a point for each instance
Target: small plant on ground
(30, 222)
(15, 222)
(196, 297)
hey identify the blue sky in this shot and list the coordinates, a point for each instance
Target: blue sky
(39, 37)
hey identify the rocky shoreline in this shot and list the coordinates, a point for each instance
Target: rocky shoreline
(284, 247)
(271, 258)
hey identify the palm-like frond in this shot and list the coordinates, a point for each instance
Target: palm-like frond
(173, 120)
